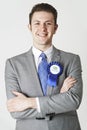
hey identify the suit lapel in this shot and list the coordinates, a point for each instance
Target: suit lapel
(35, 79)
(55, 57)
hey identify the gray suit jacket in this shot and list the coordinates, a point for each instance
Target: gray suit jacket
(58, 110)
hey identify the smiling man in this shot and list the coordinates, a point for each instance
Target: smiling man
(44, 85)
(43, 28)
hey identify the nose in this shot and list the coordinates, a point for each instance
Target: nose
(43, 26)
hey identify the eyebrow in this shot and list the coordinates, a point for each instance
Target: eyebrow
(44, 21)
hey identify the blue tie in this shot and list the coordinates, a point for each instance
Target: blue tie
(42, 72)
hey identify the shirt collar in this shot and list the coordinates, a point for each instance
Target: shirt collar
(37, 52)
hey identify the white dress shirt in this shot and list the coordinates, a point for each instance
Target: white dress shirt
(37, 58)
(37, 53)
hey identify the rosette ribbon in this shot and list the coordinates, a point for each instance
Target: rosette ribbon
(55, 69)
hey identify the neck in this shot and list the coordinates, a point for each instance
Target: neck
(42, 47)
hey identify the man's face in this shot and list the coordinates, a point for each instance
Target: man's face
(42, 28)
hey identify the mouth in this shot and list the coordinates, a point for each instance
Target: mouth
(42, 35)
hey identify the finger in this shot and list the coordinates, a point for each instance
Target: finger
(11, 109)
(16, 93)
(72, 82)
(70, 78)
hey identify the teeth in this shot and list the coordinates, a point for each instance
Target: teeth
(42, 35)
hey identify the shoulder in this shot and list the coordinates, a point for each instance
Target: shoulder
(66, 54)
(70, 58)
(19, 59)
(67, 57)
(21, 56)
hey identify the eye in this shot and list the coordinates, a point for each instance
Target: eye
(36, 23)
(48, 23)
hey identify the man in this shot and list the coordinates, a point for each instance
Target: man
(34, 109)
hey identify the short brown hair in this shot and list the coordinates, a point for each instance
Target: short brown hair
(43, 7)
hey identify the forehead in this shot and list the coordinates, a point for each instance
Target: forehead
(42, 15)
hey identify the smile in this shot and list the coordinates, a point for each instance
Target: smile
(42, 35)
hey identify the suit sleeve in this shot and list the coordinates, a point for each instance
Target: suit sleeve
(68, 101)
(12, 83)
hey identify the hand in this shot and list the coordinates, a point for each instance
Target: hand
(68, 83)
(20, 102)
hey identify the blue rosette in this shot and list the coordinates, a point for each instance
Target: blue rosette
(55, 69)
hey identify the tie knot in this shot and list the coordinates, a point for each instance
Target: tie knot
(43, 55)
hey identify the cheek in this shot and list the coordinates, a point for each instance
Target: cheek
(34, 29)
(52, 30)
(55, 29)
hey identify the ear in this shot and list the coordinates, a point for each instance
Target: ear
(29, 27)
(55, 28)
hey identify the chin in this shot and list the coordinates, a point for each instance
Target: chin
(43, 44)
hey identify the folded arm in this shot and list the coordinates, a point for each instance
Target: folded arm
(16, 96)
(69, 100)
(21, 106)
(20, 102)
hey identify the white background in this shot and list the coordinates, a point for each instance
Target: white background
(15, 38)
